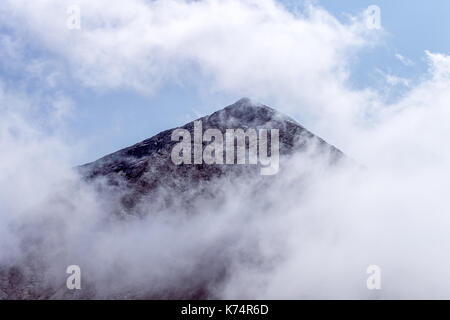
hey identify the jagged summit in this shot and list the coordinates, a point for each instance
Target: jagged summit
(244, 100)
(147, 165)
(244, 113)
(249, 113)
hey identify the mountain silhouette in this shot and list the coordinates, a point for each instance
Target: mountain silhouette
(139, 171)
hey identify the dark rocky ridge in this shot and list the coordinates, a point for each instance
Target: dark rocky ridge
(146, 167)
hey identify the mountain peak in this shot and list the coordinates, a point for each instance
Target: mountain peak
(247, 113)
(147, 166)
(246, 103)
(244, 100)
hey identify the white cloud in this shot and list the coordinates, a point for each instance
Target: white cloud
(297, 62)
(142, 43)
(404, 60)
(245, 48)
(395, 80)
(394, 214)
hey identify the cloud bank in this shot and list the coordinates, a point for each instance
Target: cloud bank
(305, 240)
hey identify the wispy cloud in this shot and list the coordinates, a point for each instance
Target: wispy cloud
(407, 62)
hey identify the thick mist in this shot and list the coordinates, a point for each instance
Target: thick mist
(311, 232)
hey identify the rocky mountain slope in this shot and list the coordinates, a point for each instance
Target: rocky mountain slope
(146, 167)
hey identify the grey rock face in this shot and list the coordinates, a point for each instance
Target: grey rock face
(146, 167)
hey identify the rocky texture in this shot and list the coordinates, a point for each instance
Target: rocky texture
(146, 167)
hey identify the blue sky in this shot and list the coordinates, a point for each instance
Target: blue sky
(106, 120)
(412, 27)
